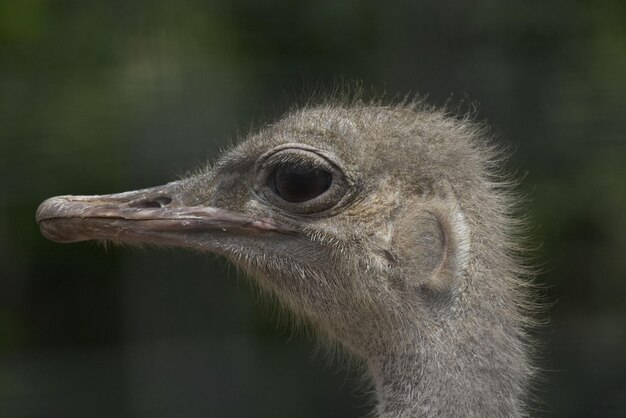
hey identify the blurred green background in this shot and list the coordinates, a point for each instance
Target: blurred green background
(100, 97)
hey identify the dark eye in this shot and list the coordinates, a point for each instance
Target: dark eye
(302, 180)
(300, 183)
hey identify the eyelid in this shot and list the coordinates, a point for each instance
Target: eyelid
(304, 149)
(297, 159)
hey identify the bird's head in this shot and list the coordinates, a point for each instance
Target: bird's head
(358, 218)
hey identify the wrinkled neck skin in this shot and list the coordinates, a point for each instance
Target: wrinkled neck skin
(431, 356)
(453, 373)
(468, 359)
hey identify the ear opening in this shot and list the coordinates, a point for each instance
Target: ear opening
(457, 244)
(431, 242)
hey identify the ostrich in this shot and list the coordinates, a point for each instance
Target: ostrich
(387, 227)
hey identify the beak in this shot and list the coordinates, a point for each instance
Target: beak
(156, 215)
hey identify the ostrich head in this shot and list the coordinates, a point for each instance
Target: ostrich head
(383, 226)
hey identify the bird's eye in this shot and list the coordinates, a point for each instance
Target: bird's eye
(302, 180)
(300, 183)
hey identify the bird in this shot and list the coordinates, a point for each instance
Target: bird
(390, 228)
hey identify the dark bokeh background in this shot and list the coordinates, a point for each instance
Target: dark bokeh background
(98, 97)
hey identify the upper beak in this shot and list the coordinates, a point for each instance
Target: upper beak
(156, 215)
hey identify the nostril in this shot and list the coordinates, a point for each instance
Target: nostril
(157, 202)
(163, 200)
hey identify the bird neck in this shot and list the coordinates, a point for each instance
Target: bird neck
(458, 371)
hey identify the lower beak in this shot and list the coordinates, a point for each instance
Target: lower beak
(152, 215)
